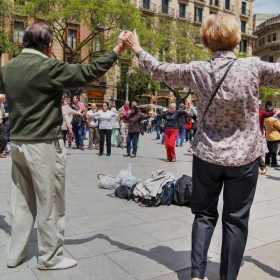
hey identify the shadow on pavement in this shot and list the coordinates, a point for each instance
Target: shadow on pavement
(273, 178)
(161, 254)
(266, 268)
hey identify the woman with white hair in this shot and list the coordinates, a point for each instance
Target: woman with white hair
(171, 130)
(228, 141)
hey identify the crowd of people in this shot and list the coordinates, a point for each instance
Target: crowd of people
(227, 146)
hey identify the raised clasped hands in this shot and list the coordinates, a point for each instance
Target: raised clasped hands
(131, 40)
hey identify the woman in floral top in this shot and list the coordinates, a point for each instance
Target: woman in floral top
(228, 142)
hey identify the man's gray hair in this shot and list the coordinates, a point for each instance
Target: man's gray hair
(172, 105)
(37, 36)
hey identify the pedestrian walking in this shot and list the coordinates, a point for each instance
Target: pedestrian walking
(34, 84)
(228, 141)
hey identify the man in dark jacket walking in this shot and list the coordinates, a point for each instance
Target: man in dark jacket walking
(34, 84)
(182, 127)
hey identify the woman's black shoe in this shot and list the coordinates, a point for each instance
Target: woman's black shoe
(126, 155)
(108, 155)
(100, 154)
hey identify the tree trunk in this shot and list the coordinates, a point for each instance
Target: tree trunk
(179, 99)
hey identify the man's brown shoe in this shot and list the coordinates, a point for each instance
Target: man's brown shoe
(264, 171)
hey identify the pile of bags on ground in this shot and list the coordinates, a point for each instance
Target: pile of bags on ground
(161, 189)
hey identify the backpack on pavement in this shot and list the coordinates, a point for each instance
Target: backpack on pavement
(168, 194)
(183, 190)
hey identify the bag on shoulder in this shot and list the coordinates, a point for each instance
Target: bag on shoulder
(183, 190)
(168, 193)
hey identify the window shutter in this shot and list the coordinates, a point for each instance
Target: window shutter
(12, 30)
(66, 36)
(78, 38)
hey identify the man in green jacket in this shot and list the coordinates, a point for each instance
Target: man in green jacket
(34, 84)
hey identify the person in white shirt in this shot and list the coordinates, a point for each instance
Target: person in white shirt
(93, 129)
(2, 132)
(105, 127)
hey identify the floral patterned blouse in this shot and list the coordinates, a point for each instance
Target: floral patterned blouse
(230, 134)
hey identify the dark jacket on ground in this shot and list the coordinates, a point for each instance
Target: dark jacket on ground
(134, 121)
(34, 86)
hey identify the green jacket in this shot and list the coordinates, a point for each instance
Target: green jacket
(34, 86)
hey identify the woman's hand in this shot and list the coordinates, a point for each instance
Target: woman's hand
(132, 41)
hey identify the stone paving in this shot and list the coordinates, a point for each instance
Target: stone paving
(117, 239)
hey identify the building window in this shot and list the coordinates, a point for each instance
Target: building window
(182, 10)
(164, 8)
(124, 70)
(268, 38)
(162, 102)
(260, 42)
(18, 32)
(162, 85)
(197, 14)
(146, 4)
(274, 37)
(72, 38)
(227, 5)
(263, 40)
(212, 13)
(143, 101)
(96, 43)
(243, 46)
(214, 3)
(243, 26)
(243, 9)
(270, 59)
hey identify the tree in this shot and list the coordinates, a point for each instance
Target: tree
(6, 13)
(104, 20)
(181, 45)
(268, 93)
(139, 83)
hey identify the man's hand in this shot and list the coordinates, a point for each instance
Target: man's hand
(131, 39)
(120, 46)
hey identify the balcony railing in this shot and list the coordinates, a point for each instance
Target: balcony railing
(198, 19)
(147, 5)
(215, 3)
(166, 10)
(200, 1)
(187, 16)
(245, 12)
(269, 22)
(247, 31)
(229, 8)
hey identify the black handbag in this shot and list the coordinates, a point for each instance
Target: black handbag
(168, 194)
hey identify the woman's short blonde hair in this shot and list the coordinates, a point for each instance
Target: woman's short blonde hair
(220, 32)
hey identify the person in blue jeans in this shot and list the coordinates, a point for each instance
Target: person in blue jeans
(135, 117)
(158, 122)
(182, 127)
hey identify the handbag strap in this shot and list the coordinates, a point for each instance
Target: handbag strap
(217, 88)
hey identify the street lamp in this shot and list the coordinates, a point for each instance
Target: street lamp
(126, 84)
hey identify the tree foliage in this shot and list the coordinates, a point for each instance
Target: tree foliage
(104, 20)
(268, 93)
(6, 14)
(139, 84)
